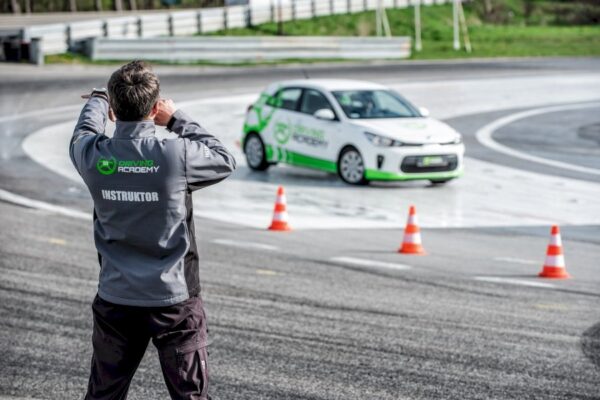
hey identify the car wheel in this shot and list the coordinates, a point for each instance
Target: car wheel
(439, 181)
(256, 156)
(351, 167)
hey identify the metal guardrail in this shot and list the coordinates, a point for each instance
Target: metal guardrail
(60, 38)
(249, 49)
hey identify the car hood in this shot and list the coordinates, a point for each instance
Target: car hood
(409, 130)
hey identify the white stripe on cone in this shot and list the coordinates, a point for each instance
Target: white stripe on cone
(280, 216)
(281, 199)
(555, 240)
(412, 238)
(413, 220)
(555, 261)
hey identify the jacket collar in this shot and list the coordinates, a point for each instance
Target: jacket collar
(134, 129)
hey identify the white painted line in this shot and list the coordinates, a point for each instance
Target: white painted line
(511, 281)
(369, 263)
(40, 205)
(245, 245)
(516, 260)
(56, 110)
(484, 136)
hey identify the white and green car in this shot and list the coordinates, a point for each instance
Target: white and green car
(360, 130)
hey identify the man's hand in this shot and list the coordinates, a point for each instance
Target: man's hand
(111, 114)
(166, 109)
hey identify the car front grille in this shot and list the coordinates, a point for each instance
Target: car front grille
(432, 163)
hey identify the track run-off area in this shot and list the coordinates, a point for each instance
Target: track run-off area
(330, 310)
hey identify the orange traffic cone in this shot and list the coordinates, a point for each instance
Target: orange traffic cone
(280, 215)
(412, 235)
(554, 267)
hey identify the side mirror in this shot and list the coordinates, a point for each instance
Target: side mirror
(424, 112)
(324, 114)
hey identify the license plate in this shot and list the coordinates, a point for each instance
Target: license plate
(432, 161)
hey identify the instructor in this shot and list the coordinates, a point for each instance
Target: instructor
(149, 286)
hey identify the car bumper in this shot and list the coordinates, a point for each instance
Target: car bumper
(400, 164)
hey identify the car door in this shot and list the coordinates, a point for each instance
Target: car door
(312, 136)
(284, 116)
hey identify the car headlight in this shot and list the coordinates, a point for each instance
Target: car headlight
(382, 141)
(456, 140)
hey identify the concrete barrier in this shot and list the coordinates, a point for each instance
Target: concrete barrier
(249, 49)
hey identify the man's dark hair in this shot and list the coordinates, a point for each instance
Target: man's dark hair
(133, 90)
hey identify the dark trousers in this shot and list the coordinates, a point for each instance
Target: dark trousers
(121, 336)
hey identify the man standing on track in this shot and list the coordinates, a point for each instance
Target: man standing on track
(149, 286)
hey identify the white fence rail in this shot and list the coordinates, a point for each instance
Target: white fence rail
(249, 49)
(59, 38)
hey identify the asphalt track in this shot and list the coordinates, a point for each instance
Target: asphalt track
(322, 313)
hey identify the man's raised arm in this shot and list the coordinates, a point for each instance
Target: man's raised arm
(207, 160)
(92, 121)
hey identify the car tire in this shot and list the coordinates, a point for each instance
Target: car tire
(256, 155)
(351, 166)
(438, 182)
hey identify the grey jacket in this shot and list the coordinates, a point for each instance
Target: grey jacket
(142, 191)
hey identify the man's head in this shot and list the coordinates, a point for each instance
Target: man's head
(134, 91)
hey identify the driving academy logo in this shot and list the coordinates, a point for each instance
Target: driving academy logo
(107, 167)
(282, 132)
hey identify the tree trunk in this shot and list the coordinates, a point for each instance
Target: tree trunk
(132, 5)
(73, 5)
(28, 7)
(488, 7)
(98, 5)
(118, 5)
(15, 6)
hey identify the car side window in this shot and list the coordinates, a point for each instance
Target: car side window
(286, 99)
(312, 101)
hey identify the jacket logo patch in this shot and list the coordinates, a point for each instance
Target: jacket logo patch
(110, 166)
(106, 166)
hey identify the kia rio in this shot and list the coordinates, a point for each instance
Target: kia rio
(360, 130)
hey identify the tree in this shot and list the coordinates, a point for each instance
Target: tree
(132, 5)
(15, 6)
(73, 5)
(118, 5)
(98, 5)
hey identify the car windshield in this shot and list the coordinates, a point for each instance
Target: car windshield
(365, 104)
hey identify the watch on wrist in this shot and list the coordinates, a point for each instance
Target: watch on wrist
(100, 92)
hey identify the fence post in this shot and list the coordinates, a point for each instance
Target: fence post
(225, 18)
(248, 16)
(69, 38)
(365, 5)
(140, 28)
(272, 11)
(349, 7)
(171, 25)
(293, 10)
(313, 8)
(199, 21)
(104, 28)
(331, 11)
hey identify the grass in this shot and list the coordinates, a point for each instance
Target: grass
(513, 38)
